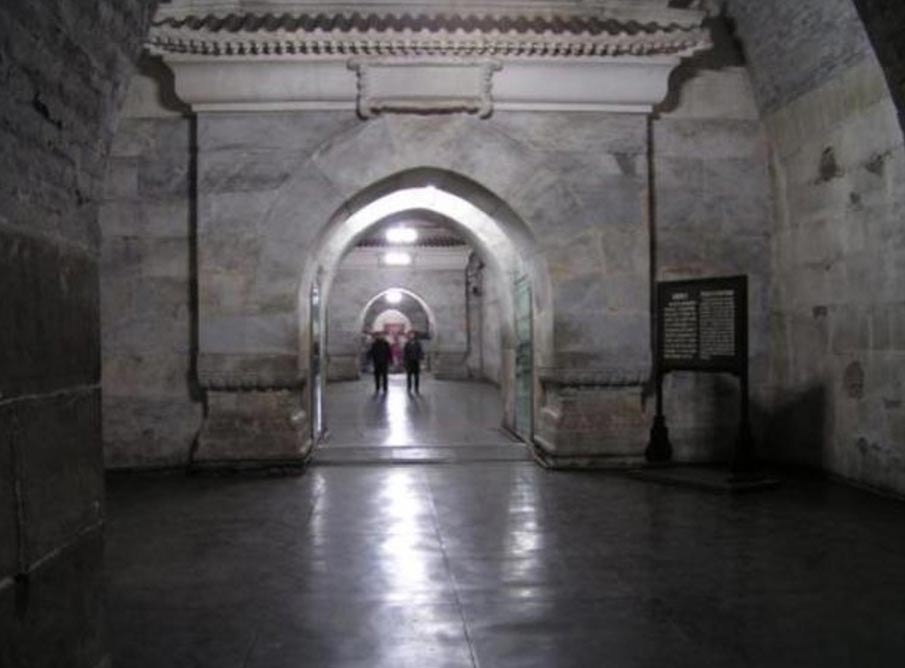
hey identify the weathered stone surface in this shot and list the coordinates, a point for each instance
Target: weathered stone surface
(9, 526)
(151, 412)
(250, 333)
(62, 86)
(57, 619)
(150, 431)
(795, 47)
(244, 171)
(285, 131)
(46, 291)
(835, 133)
(593, 425)
(62, 477)
(253, 426)
(594, 133)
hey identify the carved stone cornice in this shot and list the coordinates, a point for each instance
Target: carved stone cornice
(609, 55)
(453, 34)
(459, 84)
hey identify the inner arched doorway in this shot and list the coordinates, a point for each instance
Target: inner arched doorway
(398, 313)
(513, 278)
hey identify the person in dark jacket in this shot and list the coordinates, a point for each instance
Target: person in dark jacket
(412, 355)
(380, 354)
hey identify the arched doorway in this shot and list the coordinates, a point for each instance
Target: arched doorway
(399, 313)
(506, 246)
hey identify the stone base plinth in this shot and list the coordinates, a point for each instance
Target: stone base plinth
(450, 365)
(591, 426)
(343, 367)
(266, 427)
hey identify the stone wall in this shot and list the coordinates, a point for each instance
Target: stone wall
(838, 253)
(151, 404)
(491, 331)
(62, 87)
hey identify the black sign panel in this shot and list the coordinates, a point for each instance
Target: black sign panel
(702, 325)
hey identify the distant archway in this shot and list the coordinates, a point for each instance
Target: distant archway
(429, 317)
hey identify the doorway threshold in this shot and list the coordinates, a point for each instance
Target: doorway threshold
(418, 454)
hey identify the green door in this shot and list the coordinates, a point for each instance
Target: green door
(524, 362)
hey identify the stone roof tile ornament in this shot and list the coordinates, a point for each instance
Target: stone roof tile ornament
(425, 57)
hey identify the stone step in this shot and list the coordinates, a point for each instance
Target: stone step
(416, 454)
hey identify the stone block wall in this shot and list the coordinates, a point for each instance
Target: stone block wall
(491, 331)
(713, 215)
(62, 90)
(152, 409)
(838, 250)
(792, 47)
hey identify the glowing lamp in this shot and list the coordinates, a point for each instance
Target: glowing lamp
(401, 235)
(397, 259)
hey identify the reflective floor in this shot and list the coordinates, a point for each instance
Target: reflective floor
(498, 564)
(446, 421)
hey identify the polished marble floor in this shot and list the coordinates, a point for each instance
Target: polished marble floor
(497, 564)
(446, 421)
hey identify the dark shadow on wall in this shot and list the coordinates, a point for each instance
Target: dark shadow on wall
(884, 22)
(153, 68)
(795, 429)
(727, 51)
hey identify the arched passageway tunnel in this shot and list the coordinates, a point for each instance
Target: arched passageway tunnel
(346, 263)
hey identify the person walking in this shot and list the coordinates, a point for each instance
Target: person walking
(380, 354)
(412, 355)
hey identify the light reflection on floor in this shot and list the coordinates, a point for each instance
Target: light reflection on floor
(445, 413)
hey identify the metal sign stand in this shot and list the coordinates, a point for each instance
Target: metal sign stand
(702, 326)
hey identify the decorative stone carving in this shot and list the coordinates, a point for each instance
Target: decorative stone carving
(424, 85)
(559, 56)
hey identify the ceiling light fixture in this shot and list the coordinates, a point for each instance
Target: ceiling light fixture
(393, 296)
(401, 235)
(397, 259)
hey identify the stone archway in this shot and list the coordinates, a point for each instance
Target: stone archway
(564, 196)
(347, 329)
(502, 239)
(429, 317)
(419, 317)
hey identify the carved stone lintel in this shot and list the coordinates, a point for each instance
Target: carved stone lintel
(294, 56)
(425, 85)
